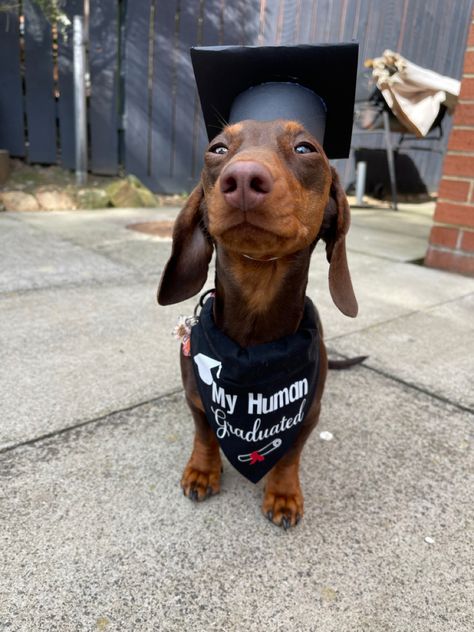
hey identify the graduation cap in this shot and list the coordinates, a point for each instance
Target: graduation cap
(314, 85)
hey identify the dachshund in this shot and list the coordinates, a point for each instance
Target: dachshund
(267, 195)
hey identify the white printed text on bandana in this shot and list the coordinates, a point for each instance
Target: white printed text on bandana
(255, 399)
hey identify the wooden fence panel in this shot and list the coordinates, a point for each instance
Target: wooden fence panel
(104, 73)
(163, 135)
(137, 91)
(212, 35)
(288, 27)
(359, 33)
(304, 17)
(184, 157)
(212, 23)
(390, 25)
(11, 100)
(249, 16)
(459, 13)
(269, 18)
(232, 27)
(39, 93)
(333, 21)
(321, 13)
(66, 88)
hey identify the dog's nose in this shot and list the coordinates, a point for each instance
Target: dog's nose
(245, 184)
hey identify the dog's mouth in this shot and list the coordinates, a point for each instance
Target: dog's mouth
(260, 243)
(284, 225)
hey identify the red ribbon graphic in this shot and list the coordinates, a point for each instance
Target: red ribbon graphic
(254, 457)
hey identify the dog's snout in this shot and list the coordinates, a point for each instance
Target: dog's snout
(245, 184)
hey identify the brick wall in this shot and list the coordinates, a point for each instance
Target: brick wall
(451, 244)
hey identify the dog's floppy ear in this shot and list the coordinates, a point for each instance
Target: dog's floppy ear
(186, 270)
(333, 231)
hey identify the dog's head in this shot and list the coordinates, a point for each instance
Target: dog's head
(267, 191)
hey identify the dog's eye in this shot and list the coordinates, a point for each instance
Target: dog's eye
(218, 148)
(305, 148)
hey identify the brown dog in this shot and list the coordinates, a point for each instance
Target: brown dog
(267, 195)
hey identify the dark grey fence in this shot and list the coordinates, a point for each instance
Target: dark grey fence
(144, 113)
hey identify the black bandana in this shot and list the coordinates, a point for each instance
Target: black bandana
(255, 398)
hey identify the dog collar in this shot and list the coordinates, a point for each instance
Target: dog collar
(255, 398)
(260, 260)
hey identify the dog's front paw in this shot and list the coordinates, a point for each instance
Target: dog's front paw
(283, 502)
(198, 484)
(283, 510)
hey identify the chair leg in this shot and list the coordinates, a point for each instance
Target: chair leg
(390, 159)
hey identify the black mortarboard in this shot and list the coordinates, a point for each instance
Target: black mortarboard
(311, 84)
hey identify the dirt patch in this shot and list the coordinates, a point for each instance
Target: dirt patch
(163, 228)
(99, 192)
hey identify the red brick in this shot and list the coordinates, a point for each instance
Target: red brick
(457, 165)
(457, 190)
(467, 88)
(464, 114)
(454, 262)
(469, 62)
(443, 236)
(467, 241)
(470, 37)
(461, 140)
(454, 214)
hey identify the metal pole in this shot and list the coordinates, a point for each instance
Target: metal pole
(80, 116)
(390, 160)
(360, 182)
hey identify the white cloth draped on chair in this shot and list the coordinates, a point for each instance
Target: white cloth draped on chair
(414, 94)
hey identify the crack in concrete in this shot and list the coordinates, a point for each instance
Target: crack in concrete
(412, 386)
(399, 317)
(87, 422)
(153, 400)
(379, 256)
(122, 281)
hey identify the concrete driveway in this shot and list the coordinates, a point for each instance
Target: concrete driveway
(94, 433)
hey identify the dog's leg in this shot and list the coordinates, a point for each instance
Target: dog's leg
(202, 474)
(283, 499)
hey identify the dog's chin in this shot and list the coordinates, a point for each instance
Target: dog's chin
(256, 242)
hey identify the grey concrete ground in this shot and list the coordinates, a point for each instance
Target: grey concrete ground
(94, 432)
